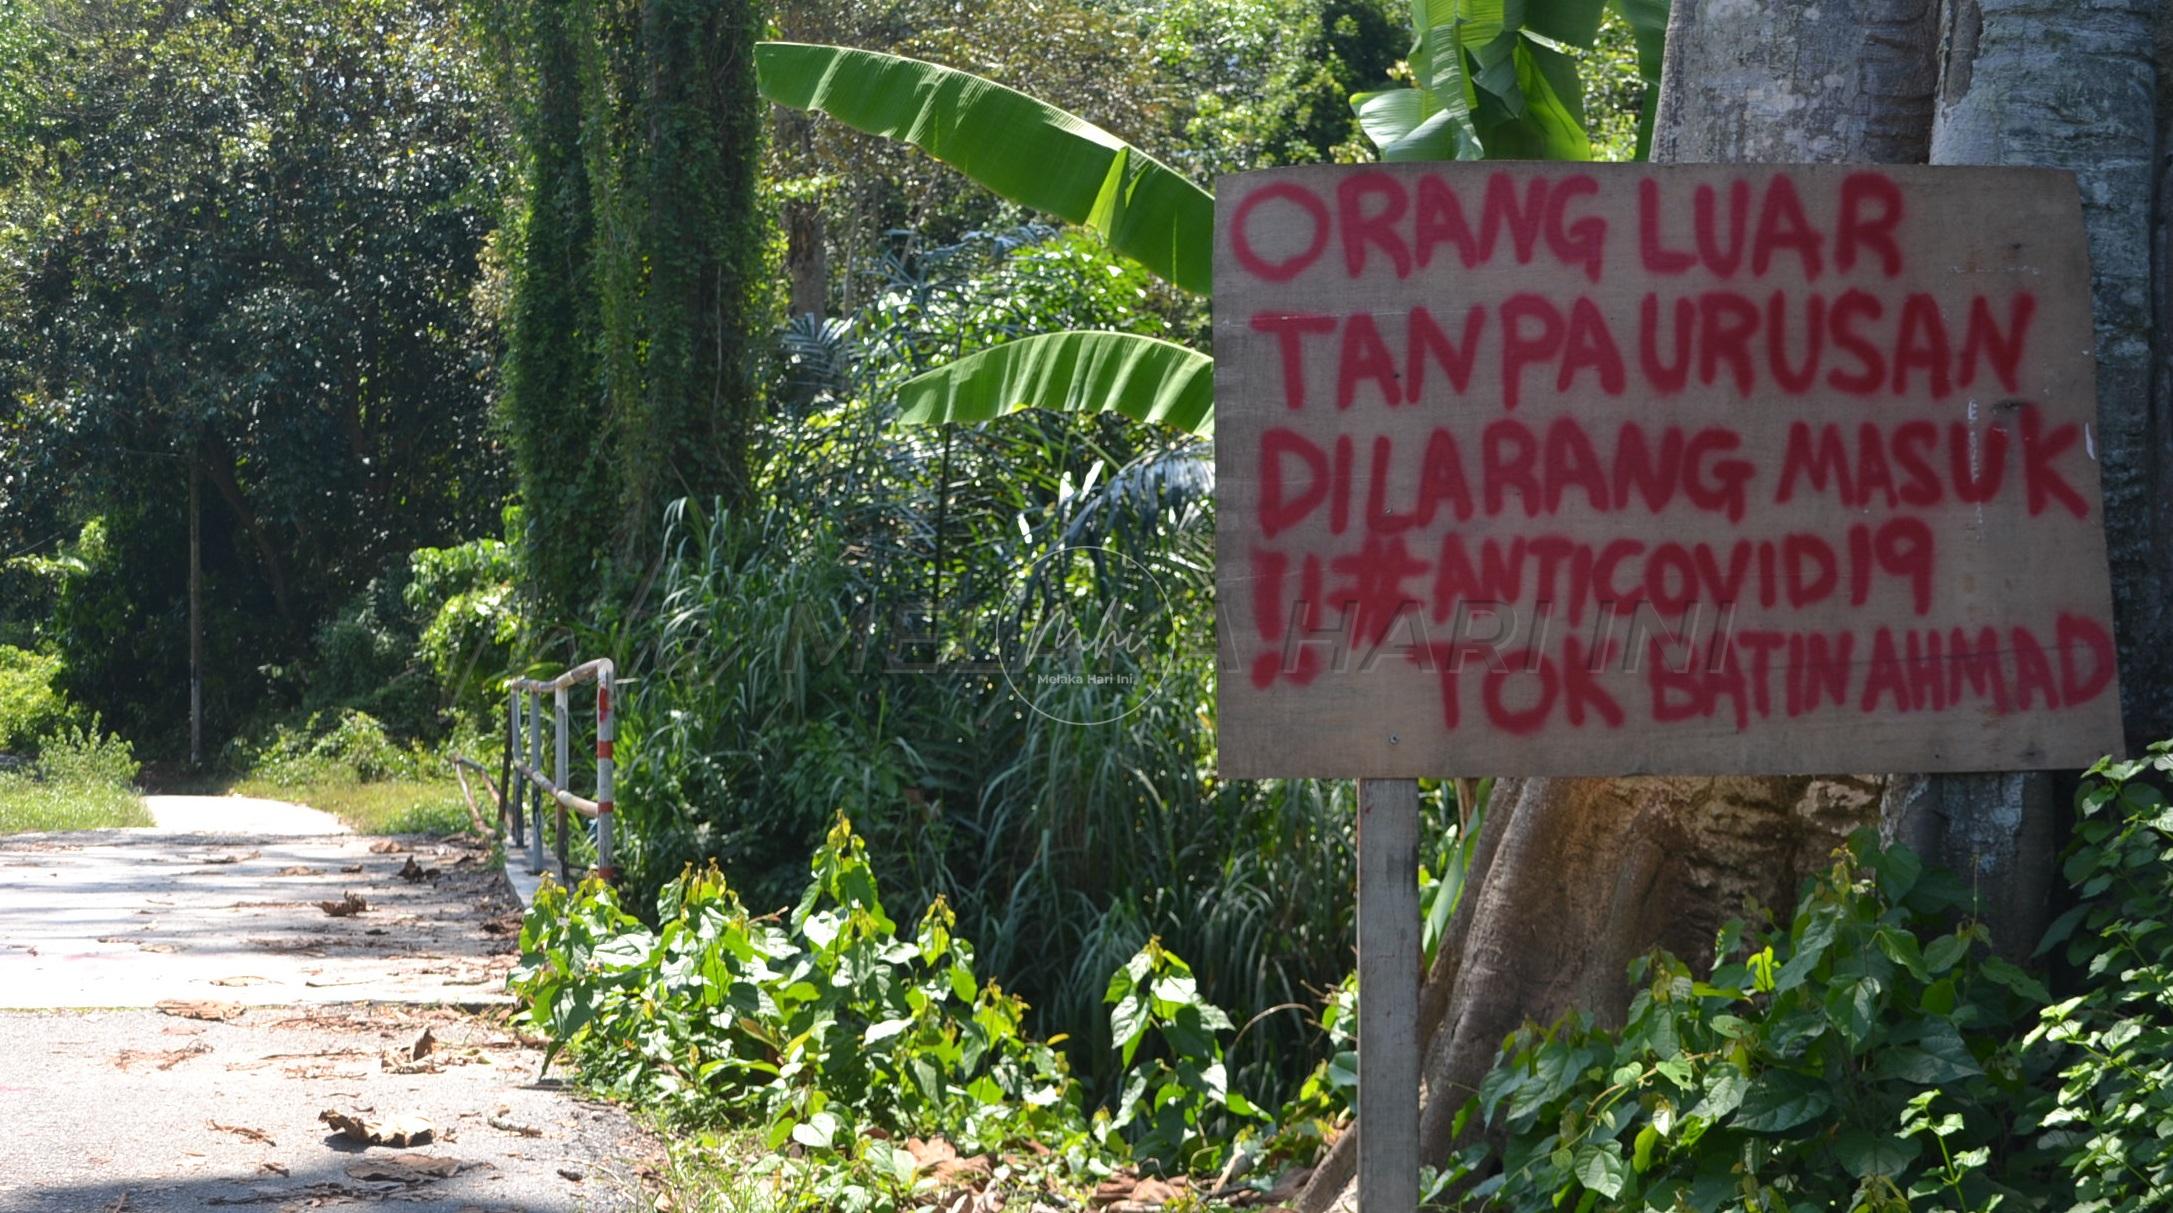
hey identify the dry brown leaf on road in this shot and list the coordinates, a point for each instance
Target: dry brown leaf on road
(386, 846)
(216, 1012)
(404, 1168)
(230, 858)
(406, 1129)
(346, 907)
(502, 1120)
(414, 871)
(166, 1059)
(257, 1135)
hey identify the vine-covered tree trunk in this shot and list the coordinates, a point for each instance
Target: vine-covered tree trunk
(552, 386)
(705, 244)
(1574, 878)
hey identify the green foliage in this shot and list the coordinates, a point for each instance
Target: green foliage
(352, 747)
(1172, 1097)
(82, 780)
(466, 598)
(30, 708)
(1269, 81)
(1860, 1059)
(1075, 372)
(245, 238)
(1022, 148)
(818, 1029)
(639, 277)
(1501, 81)
(2111, 1117)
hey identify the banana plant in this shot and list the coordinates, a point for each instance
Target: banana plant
(1488, 79)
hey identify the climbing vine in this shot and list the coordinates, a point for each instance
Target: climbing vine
(639, 283)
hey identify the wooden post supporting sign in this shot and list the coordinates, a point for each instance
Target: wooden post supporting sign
(1388, 964)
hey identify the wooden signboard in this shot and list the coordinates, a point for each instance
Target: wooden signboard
(1571, 469)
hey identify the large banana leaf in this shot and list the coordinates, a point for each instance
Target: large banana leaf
(1648, 23)
(1024, 149)
(1073, 372)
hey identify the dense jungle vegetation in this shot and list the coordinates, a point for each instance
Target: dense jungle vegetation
(480, 337)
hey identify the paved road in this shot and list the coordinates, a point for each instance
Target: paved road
(111, 1104)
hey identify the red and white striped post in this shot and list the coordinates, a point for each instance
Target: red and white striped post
(607, 732)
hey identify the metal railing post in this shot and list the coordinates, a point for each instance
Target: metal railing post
(535, 794)
(607, 733)
(509, 809)
(559, 746)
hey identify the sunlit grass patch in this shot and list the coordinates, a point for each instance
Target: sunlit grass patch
(29, 805)
(395, 806)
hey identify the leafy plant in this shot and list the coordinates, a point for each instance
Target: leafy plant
(834, 1031)
(1173, 1096)
(2111, 1116)
(30, 706)
(1859, 1059)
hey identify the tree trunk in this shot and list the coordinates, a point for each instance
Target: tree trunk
(1574, 878)
(220, 467)
(2041, 82)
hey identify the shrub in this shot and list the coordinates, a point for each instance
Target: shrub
(30, 707)
(2111, 1116)
(1860, 1059)
(85, 756)
(834, 1024)
(354, 748)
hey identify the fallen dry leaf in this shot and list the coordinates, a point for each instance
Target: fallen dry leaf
(257, 1135)
(423, 1045)
(347, 906)
(273, 1168)
(166, 1059)
(352, 869)
(231, 858)
(404, 1168)
(217, 1012)
(502, 1120)
(385, 846)
(296, 870)
(237, 981)
(570, 1173)
(414, 871)
(402, 1130)
(940, 1160)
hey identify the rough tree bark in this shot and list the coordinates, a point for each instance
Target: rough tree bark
(1574, 878)
(2044, 82)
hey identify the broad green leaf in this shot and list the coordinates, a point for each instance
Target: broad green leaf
(1018, 146)
(1939, 1057)
(1866, 1153)
(1600, 1168)
(1549, 125)
(1648, 24)
(1576, 22)
(1075, 372)
(1408, 127)
(1780, 1100)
